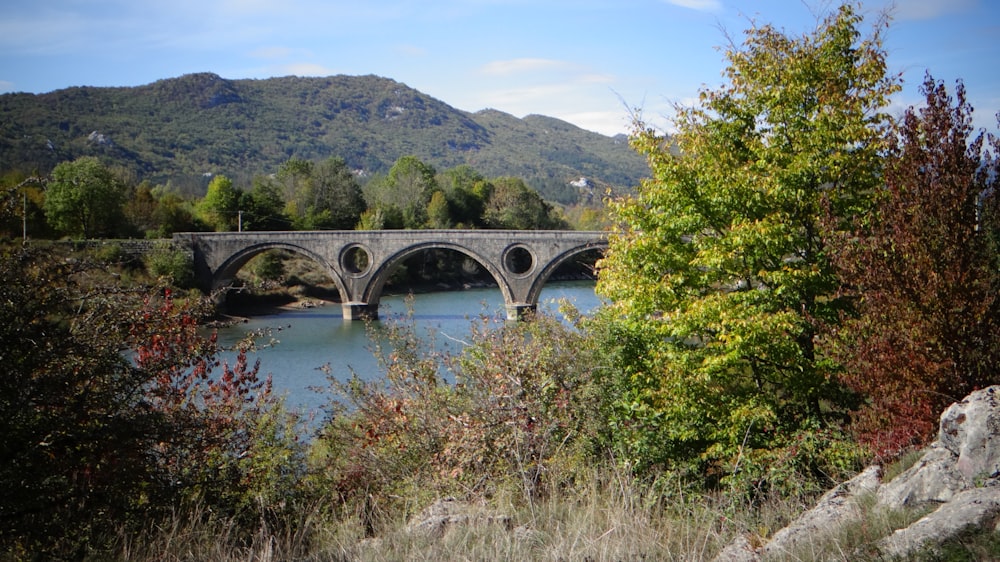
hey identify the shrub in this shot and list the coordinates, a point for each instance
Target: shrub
(172, 264)
(517, 416)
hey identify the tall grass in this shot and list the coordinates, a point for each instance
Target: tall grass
(607, 516)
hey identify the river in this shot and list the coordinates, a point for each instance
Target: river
(305, 340)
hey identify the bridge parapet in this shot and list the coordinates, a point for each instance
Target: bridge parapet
(361, 261)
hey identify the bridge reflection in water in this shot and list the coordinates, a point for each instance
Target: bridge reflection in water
(361, 261)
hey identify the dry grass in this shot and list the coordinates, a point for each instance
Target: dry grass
(607, 518)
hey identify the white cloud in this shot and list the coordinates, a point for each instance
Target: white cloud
(609, 123)
(516, 66)
(700, 5)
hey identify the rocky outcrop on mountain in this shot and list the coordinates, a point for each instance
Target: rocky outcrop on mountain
(957, 477)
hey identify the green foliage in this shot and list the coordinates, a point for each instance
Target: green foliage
(263, 207)
(221, 206)
(174, 130)
(465, 191)
(404, 192)
(718, 274)
(320, 196)
(174, 214)
(928, 330)
(84, 199)
(174, 265)
(140, 209)
(512, 204)
(269, 266)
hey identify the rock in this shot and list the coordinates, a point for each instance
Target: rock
(933, 478)
(447, 513)
(971, 430)
(835, 508)
(960, 471)
(740, 550)
(971, 509)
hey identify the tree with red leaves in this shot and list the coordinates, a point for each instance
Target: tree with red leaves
(115, 411)
(928, 325)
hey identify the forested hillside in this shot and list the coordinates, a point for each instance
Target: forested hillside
(177, 131)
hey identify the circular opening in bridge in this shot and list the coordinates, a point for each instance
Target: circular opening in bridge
(355, 259)
(518, 260)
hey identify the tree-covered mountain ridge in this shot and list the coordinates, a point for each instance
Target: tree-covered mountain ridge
(180, 131)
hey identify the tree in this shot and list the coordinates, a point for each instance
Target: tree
(84, 198)
(928, 330)
(404, 192)
(321, 196)
(466, 192)
(175, 214)
(512, 204)
(294, 177)
(718, 273)
(438, 211)
(335, 199)
(96, 441)
(221, 206)
(140, 208)
(264, 207)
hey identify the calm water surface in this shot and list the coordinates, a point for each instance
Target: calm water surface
(308, 339)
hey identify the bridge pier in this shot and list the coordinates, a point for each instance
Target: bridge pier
(518, 311)
(359, 311)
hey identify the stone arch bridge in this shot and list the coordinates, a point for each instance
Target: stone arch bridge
(361, 261)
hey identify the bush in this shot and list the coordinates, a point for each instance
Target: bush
(174, 265)
(95, 440)
(517, 417)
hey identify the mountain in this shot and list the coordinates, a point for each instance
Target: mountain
(182, 130)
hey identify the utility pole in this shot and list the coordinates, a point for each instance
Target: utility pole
(239, 221)
(24, 217)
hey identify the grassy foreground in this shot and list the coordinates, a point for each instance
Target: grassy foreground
(612, 519)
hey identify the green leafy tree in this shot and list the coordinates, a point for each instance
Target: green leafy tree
(221, 206)
(140, 209)
(928, 332)
(335, 201)
(514, 205)
(175, 214)
(438, 211)
(85, 198)
(404, 192)
(321, 196)
(264, 207)
(466, 191)
(294, 177)
(718, 272)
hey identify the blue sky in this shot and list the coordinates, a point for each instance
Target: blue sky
(585, 61)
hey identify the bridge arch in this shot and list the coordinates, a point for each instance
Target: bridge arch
(550, 267)
(373, 292)
(227, 271)
(359, 262)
